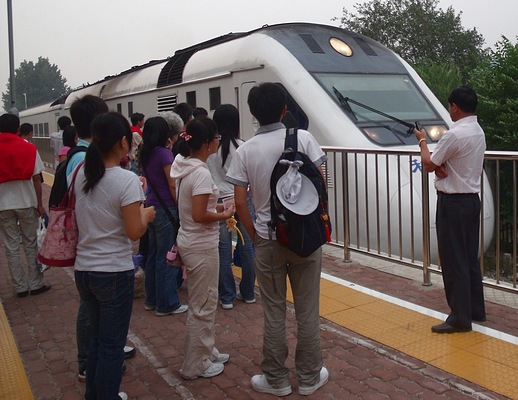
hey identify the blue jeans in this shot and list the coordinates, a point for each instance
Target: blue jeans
(83, 335)
(162, 280)
(227, 284)
(108, 297)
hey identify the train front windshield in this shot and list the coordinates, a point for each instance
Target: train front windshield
(395, 95)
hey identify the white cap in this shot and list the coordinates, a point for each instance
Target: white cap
(296, 192)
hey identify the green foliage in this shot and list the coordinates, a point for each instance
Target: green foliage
(41, 82)
(496, 82)
(441, 78)
(417, 31)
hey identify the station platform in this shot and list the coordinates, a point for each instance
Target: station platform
(376, 340)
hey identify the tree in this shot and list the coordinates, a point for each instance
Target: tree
(441, 78)
(496, 83)
(417, 31)
(41, 82)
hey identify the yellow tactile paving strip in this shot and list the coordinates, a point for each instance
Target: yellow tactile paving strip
(478, 358)
(13, 379)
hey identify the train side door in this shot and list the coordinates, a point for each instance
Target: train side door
(248, 123)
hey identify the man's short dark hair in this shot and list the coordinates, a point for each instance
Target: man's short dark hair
(267, 102)
(63, 122)
(184, 110)
(9, 123)
(465, 98)
(83, 111)
(25, 129)
(199, 112)
(136, 117)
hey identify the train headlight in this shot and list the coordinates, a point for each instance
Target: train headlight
(435, 131)
(341, 47)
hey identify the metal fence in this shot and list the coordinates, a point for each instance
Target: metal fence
(383, 205)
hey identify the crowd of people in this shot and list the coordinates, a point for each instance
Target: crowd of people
(174, 181)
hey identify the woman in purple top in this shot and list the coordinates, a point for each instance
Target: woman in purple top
(162, 280)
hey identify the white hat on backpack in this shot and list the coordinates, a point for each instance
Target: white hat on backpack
(295, 191)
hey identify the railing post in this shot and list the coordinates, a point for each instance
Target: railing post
(345, 184)
(426, 226)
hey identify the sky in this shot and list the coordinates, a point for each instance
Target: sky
(89, 40)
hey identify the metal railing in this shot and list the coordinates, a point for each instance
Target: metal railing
(383, 205)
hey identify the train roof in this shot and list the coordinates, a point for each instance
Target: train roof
(315, 37)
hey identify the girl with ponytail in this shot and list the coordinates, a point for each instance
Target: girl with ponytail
(110, 213)
(198, 245)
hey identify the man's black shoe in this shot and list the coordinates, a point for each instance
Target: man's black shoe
(23, 294)
(43, 289)
(129, 351)
(447, 328)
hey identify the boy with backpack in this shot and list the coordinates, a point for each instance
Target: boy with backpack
(253, 164)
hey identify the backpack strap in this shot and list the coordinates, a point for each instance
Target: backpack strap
(74, 150)
(291, 140)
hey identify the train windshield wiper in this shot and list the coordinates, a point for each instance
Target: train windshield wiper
(344, 102)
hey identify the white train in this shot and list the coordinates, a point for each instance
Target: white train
(337, 82)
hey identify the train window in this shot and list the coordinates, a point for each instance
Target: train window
(41, 129)
(295, 117)
(214, 97)
(36, 130)
(46, 130)
(119, 108)
(191, 99)
(395, 95)
(377, 104)
(130, 108)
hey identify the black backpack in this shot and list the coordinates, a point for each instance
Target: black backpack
(59, 187)
(302, 234)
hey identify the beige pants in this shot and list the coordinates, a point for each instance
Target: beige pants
(16, 224)
(202, 284)
(273, 264)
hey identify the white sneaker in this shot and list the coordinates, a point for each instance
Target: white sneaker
(260, 384)
(240, 297)
(222, 359)
(307, 390)
(123, 396)
(226, 306)
(213, 370)
(183, 308)
(129, 351)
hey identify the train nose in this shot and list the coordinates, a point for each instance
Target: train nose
(406, 210)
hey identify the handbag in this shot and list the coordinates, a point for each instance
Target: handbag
(59, 245)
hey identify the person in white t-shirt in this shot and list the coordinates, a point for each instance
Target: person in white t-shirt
(197, 241)
(112, 213)
(252, 165)
(56, 138)
(226, 118)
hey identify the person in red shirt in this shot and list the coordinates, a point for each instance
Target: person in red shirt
(20, 205)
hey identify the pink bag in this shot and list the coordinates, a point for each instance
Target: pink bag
(59, 246)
